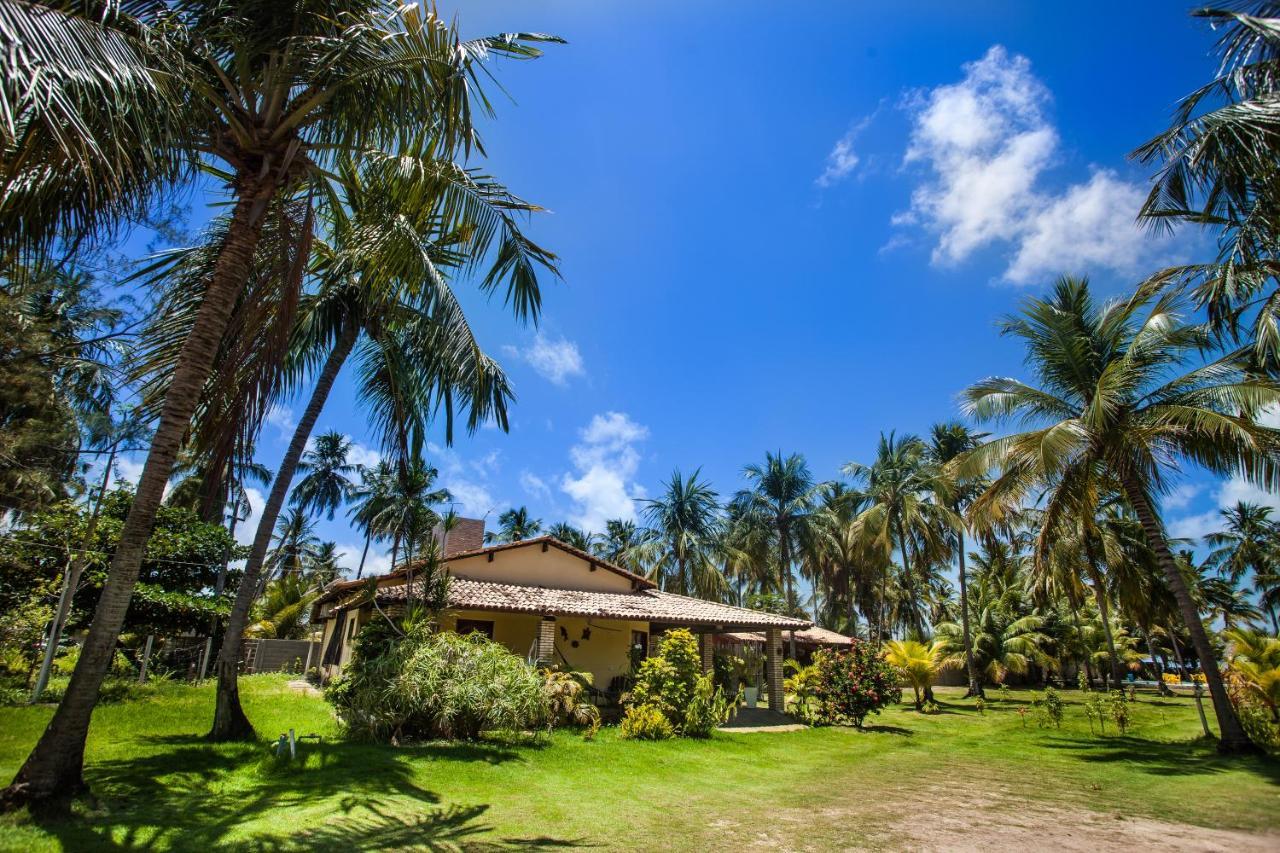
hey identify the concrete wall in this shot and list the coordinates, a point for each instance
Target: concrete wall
(280, 655)
(531, 566)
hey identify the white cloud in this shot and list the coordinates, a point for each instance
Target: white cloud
(281, 417)
(554, 360)
(986, 142)
(360, 454)
(376, 563)
(471, 499)
(1181, 497)
(1229, 492)
(534, 486)
(606, 461)
(246, 528)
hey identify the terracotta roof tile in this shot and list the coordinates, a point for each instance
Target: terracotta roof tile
(646, 605)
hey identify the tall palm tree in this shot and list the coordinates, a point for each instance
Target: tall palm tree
(275, 96)
(903, 514)
(515, 525)
(685, 524)
(296, 545)
(619, 543)
(1120, 398)
(570, 535)
(327, 482)
(369, 500)
(324, 568)
(781, 499)
(947, 441)
(1218, 166)
(409, 515)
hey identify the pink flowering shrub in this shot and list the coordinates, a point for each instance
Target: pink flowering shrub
(853, 684)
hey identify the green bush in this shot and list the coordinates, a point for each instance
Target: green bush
(1120, 710)
(646, 722)
(419, 684)
(1049, 709)
(672, 682)
(853, 684)
(708, 710)
(568, 702)
(800, 689)
(65, 663)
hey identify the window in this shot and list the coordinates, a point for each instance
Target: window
(639, 645)
(475, 626)
(351, 628)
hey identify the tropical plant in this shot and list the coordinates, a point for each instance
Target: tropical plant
(919, 663)
(853, 684)
(1120, 400)
(685, 526)
(1254, 661)
(645, 722)
(902, 515)
(568, 700)
(709, 708)
(281, 612)
(279, 97)
(779, 503)
(419, 684)
(668, 679)
(570, 535)
(1218, 168)
(514, 525)
(369, 500)
(1001, 645)
(326, 482)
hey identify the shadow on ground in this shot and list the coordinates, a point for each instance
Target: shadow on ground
(1164, 759)
(192, 795)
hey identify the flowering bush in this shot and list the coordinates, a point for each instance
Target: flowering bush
(1172, 678)
(853, 684)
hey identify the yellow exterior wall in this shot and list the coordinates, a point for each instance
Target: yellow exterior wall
(605, 655)
(531, 566)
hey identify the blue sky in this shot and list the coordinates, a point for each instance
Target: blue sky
(792, 227)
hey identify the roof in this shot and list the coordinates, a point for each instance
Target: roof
(813, 635)
(644, 605)
(336, 589)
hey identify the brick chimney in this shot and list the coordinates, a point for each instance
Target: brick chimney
(467, 535)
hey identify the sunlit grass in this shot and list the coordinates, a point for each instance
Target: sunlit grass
(159, 786)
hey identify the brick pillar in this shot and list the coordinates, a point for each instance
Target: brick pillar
(708, 642)
(547, 641)
(773, 669)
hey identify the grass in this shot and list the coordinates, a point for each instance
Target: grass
(158, 786)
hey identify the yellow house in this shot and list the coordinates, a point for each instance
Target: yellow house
(554, 604)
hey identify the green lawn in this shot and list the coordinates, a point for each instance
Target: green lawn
(159, 787)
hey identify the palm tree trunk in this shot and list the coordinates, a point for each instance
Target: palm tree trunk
(71, 582)
(1098, 581)
(1232, 737)
(229, 720)
(975, 684)
(784, 550)
(368, 537)
(54, 768)
(1075, 615)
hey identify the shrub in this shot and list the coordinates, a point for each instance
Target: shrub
(801, 691)
(435, 685)
(980, 705)
(1095, 709)
(853, 684)
(65, 663)
(568, 702)
(708, 709)
(1004, 692)
(646, 722)
(1049, 709)
(1120, 710)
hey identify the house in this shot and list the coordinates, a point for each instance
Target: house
(807, 640)
(554, 604)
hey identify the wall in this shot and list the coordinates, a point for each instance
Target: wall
(531, 566)
(281, 655)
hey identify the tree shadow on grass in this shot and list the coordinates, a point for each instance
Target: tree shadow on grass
(193, 795)
(1166, 759)
(888, 730)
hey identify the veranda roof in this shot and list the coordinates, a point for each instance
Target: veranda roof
(644, 605)
(813, 635)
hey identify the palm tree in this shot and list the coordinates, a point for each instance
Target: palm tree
(947, 441)
(1001, 644)
(902, 513)
(370, 499)
(409, 515)
(324, 568)
(1120, 402)
(919, 663)
(278, 96)
(780, 500)
(570, 535)
(1255, 664)
(1218, 167)
(685, 525)
(1249, 544)
(620, 542)
(296, 545)
(515, 525)
(327, 484)
(281, 612)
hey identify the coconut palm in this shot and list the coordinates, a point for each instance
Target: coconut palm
(685, 525)
(409, 515)
(903, 514)
(1120, 400)
(324, 568)
(275, 97)
(281, 612)
(919, 663)
(369, 499)
(1254, 661)
(780, 502)
(1001, 644)
(1250, 544)
(1218, 167)
(570, 535)
(619, 543)
(327, 482)
(947, 441)
(515, 525)
(296, 545)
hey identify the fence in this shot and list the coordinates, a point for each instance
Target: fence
(279, 655)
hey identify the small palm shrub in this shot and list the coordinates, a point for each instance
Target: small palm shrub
(853, 684)
(1049, 709)
(646, 722)
(801, 689)
(568, 702)
(420, 684)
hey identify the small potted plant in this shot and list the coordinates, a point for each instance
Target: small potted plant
(748, 671)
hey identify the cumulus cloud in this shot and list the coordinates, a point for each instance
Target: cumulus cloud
(282, 418)
(986, 142)
(1230, 492)
(556, 360)
(534, 486)
(361, 454)
(377, 562)
(606, 461)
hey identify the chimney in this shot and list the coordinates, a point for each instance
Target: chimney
(467, 535)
